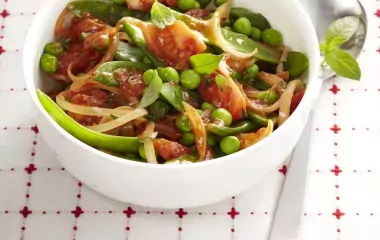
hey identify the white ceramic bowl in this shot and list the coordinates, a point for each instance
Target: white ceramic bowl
(174, 186)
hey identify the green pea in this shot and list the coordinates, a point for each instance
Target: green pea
(243, 26)
(272, 37)
(190, 79)
(269, 96)
(168, 74)
(197, 5)
(256, 34)
(49, 63)
(219, 3)
(183, 124)
(159, 109)
(208, 106)
(186, 5)
(211, 140)
(236, 75)
(54, 48)
(221, 81)
(120, 2)
(102, 43)
(230, 144)
(142, 152)
(188, 139)
(223, 115)
(253, 71)
(148, 76)
(228, 28)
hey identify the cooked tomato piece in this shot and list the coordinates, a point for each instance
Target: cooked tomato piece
(166, 128)
(172, 3)
(198, 13)
(143, 5)
(88, 25)
(249, 139)
(174, 44)
(296, 99)
(169, 150)
(131, 84)
(209, 154)
(90, 97)
(223, 99)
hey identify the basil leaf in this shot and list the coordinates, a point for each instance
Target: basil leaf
(322, 47)
(151, 93)
(105, 10)
(174, 95)
(335, 42)
(135, 34)
(343, 64)
(205, 63)
(104, 73)
(297, 63)
(113, 117)
(126, 52)
(257, 20)
(246, 45)
(161, 15)
(342, 28)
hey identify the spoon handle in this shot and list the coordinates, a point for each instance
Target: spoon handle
(287, 219)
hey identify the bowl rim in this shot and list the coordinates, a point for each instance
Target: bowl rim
(310, 97)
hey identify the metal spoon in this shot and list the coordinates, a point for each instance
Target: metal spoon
(288, 217)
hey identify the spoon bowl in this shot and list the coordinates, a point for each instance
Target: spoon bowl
(324, 12)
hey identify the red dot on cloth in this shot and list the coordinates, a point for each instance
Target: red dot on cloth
(334, 89)
(180, 229)
(266, 213)
(378, 50)
(27, 195)
(335, 129)
(233, 213)
(109, 211)
(305, 214)
(44, 212)
(200, 213)
(6, 212)
(369, 171)
(129, 212)
(77, 212)
(214, 213)
(25, 212)
(338, 230)
(35, 129)
(147, 212)
(30, 169)
(357, 214)
(336, 186)
(49, 169)
(283, 170)
(233, 197)
(377, 13)
(79, 196)
(23, 228)
(58, 212)
(181, 213)
(337, 198)
(252, 213)
(96, 212)
(62, 169)
(162, 213)
(336, 170)
(338, 214)
(4, 13)
(127, 228)
(79, 184)
(75, 228)
(28, 184)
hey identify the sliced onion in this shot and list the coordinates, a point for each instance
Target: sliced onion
(60, 21)
(249, 139)
(114, 131)
(214, 25)
(90, 111)
(146, 138)
(251, 92)
(94, 84)
(198, 128)
(284, 57)
(286, 100)
(104, 127)
(78, 82)
(271, 79)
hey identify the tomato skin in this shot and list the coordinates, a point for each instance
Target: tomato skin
(89, 97)
(198, 13)
(169, 150)
(220, 99)
(166, 127)
(174, 44)
(296, 99)
(131, 84)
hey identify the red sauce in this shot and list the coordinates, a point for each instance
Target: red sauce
(131, 84)
(198, 13)
(169, 150)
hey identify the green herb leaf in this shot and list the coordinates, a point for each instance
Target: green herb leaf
(174, 95)
(335, 43)
(161, 15)
(342, 29)
(104, 73)
(205, 63)
(297, 63)
(343, 64)
(126, 52)
(152, 93)
(257, 20)
(135, 34)
(113, 117)
(246, 45)
(322, 47)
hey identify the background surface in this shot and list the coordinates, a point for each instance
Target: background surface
(40, 200)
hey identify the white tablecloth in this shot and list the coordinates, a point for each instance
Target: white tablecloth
(40, 200)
